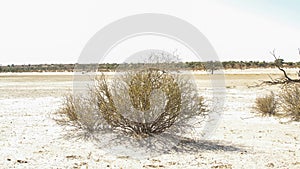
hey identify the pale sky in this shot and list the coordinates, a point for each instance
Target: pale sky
(37, 31)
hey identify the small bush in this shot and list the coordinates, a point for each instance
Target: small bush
(290, 101)
(139, 103)
(266, 105)
(147, 102)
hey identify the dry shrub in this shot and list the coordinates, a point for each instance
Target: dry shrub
(67, 112)
(290, 101)
(147, 102)
(80, 112)
(266, 105)
(140, 104)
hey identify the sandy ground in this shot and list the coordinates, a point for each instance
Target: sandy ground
(31, 139)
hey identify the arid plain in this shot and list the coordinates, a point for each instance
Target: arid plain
(30, 138)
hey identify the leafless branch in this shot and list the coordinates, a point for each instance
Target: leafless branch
(277, 64)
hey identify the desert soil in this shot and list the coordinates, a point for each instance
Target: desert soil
(30, 138)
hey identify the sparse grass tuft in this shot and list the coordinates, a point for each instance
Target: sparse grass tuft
(79, 112)
(290, 101)
(266, 105)
(67, 112)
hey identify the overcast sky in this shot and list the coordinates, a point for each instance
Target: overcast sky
(36, 31)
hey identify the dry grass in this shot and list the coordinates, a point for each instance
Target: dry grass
(266, 105)
(80, 112)
(68, 110)
(290, 101)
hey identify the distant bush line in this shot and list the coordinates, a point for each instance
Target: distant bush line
(108, 67)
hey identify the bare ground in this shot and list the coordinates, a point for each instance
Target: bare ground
(31, 139)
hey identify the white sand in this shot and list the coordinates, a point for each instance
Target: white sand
(31, 139)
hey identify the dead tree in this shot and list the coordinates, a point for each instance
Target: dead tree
(278, 64)
(286, 80)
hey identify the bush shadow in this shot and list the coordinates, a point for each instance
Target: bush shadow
(187, 145)
(120, 145)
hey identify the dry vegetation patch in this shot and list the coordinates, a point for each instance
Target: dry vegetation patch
(290, 101)
(139, 104)
(286, 104)
(266, 105)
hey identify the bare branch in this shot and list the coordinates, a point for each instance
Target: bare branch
(277, 64)
(273, 54)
